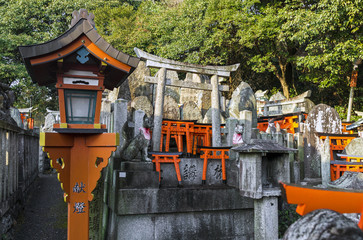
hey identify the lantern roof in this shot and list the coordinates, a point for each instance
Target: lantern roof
(81, 42)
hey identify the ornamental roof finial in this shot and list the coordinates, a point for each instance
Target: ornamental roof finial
(82, 13)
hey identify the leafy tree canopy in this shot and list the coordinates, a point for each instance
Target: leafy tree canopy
(292, 45)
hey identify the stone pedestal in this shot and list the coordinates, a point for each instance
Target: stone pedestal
(137, 175)
(266, 218)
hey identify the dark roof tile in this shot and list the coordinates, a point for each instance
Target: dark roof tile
(93, 35)
(86, 26)
(133, 61)
(75, 33)
(123, 57)
(102, 44)
(81, 27)
(112, 52)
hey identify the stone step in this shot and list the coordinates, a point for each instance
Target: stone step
(137, 166)
(137, 179)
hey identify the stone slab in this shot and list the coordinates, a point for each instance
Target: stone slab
(191, 170)
(321, 118)
(179, 200)
(136, 166)
(141, 179)
(237, 224)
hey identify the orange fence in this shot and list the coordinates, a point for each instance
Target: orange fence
(198, 139)
(352, 163)
(195, 134)
(177, 129)
(289, 122)
(337, 142)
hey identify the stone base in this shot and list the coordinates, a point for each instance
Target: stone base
(136, 175)
(311, 181)
(181, 213)
(191, 171)
(266, 218)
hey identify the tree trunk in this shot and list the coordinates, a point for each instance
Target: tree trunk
(285, 77)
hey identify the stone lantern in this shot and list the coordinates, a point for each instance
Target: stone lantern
(263, 164)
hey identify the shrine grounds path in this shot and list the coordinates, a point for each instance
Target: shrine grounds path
(45, 213)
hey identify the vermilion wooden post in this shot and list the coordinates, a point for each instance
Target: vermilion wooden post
(79, 159)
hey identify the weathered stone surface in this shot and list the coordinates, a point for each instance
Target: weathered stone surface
(325, 162)
(350, 180)
(206, 101)
(266, 218)
(192, 112)
(277, 97)
(7, 222)
(191, 171)
(15, 114)
(113, 95)
(179, 200)
(124, 91)
(355, 147)
(236, 224)
(208, 117)
(135, 86)
(188, 94)
(144, 104)
(261, 95)
(49, 121)
(323, 224)
(243, 98)
(105, 116)
(321, 118)
(171, 109)
(173, 92)
(7, 98)
(159, 105)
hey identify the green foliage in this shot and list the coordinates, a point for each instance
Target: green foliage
(287, 216)
(290, 45)
(32, 22)
(342, 111)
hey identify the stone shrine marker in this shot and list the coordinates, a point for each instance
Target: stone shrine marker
(161, 81)
(321, 118)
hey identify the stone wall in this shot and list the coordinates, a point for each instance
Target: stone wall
(19, 154)
(177, 213)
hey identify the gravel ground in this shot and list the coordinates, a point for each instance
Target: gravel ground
(45, 213)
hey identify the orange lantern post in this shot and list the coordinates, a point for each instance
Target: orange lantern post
(81, 64)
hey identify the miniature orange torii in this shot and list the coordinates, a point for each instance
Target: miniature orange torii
(310, 199)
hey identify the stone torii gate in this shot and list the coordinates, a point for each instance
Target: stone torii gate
(167, 64)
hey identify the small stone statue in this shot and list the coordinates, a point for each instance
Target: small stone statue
(271, 126)
(237, 136)
(139, 144)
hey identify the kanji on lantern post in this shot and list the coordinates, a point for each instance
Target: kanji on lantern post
(81, 64)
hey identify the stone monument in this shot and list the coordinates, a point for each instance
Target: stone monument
(321, 118)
